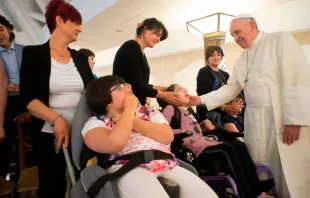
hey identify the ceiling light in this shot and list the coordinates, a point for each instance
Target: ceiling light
(213, 28)
(218, 22)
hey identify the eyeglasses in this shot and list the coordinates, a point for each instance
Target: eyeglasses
(180, 88)
(119, 87)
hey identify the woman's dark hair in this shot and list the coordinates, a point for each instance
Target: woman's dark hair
(88, 52)
(98, 94)
(211, 49)
(9, 27)
(163, 103)
(152, 24)
(62, 9)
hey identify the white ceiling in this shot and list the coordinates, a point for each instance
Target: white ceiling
(100, 33)
(104, 17)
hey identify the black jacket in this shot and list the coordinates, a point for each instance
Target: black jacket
(131, 64)
(205, 80)
(35, 75)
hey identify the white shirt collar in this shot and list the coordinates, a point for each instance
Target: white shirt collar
(257, 39)
(12, 47)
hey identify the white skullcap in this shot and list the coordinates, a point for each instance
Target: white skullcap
(243, 16)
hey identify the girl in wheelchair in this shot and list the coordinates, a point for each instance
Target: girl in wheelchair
(122, 127)
(233, 156)
(233, 121)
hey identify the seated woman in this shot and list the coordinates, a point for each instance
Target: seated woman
(234, 156)
(123, 127)
(234, 121)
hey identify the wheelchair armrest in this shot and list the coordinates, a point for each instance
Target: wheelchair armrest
(223, 133)
(233, 134)
(180, 136)
(212, 132)
(22, 118)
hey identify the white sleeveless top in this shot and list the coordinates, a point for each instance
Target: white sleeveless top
(66, 87)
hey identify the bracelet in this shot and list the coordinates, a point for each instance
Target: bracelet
(52, 123)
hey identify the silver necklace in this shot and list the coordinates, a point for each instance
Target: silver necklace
(61, 57)
(250, 66)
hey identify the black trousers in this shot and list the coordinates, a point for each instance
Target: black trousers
(51, 166)
(235, 160)
(13, 108)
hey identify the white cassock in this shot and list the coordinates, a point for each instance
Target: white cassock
(277, 93)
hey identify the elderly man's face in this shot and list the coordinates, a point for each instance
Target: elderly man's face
(242, 32)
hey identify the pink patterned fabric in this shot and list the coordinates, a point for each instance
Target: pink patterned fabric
(138, 142)
(189, 123)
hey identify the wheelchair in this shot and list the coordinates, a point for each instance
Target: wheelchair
(87, 176)
(221, 183)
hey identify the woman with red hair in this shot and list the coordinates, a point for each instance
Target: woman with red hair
(52, 78)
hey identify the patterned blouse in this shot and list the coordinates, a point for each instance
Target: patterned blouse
(197, 142)
(137, 141)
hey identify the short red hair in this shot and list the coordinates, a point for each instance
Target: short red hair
(62, 9)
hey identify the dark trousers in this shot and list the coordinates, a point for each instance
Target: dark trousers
(13, 108)
(235, 160)
(51, 166)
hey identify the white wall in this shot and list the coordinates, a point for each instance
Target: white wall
(187, 76)
(306, 49)
(23, 39)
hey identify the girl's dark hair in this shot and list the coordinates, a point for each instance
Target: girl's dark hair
(98, 94)
(238, 97)
(211, 49)
(171, 88)
(152, 24)
(9, 27)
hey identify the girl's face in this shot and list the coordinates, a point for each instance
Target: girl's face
(237, 104)
(182, 94)
(118, 93)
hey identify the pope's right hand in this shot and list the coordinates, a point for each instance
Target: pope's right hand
(195, 100)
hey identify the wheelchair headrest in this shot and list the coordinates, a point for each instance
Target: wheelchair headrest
(82, 115)
(162, 103)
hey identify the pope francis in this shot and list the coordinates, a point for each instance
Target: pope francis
(274, 73)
